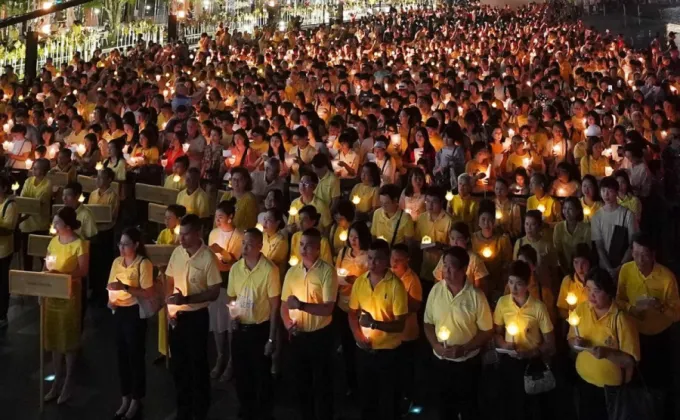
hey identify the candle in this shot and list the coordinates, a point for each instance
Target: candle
(185, 147)
(664, 134)
(460, 110)
(673, 89)
(81, 149)
(557, 148)
(99, 166)
(586, 211)
(343, 235)
(234, 310)
(165, 92)
(158, 77)
(15, 186)
(50, 261)
(607, 152)
(443, 334)
(511, 132)
(293, 211)
(53, 231)
(449, 196)
(293, 261)
(259, 227)
(541, 208)
(81, 198)
(608, 171)
(574, 320)
(367, 332)
(176, 178)
(176, 230)
(342, 272)
(526, 161)
(487, 252)
(426, 240)
(29, 163)
(512, 330)
(356, 200)
(499, 215)
(571, 299)
(6, 128)
(561, 192)
(395, 139)
(585, 121)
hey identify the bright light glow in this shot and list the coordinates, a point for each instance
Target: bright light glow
(46, 28)
(343, 235)
(499, 215)
(293, 211)
(181, 14)
(512, 329)
(426, 240)
(541, 208)
(571, 299)
(176, 231)
(487, 252)
(449, 196)
(176, 178)
(356, 200)
(47, 5)
(259, 227)
(443, 334)
(574, 319)
(293, 261)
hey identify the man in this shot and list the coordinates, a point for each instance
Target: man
(102, 253)
(640, 175)
(378, 307)
(302, 153)
(193, 281)
(649, 292)
(328, 189)
(255, 292)
(308, 298)
(456, 344)
(436, 224)
(193, 198)
(399, 263)
(612, 250)
(390, 222)
(38, 187)
(21, 148)
(268, 180)
(179, 170)
(308, 185)
(71, 197)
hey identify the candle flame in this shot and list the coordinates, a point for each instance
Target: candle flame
(343, 235)
(176, 230)
(293, 261)
(99, 166)
(541, 208)
(356, 200)
(499, 215)
(574, 319)
(571, 299)
(449, 196)
(426, 240)
(259, 227)
(342, 272)
(293, 211)
(487, 252)
(443, 334)
(512, 329)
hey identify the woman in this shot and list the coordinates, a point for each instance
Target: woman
(508, 213)
(574, 283)
(343, 215)
(8, 222)
(412, 199)
(277, 150)
(78, 132)
(367, 192)
(386, 163)
(493, 247)
(68, 254)
(607, 344)
(480, 167)
(275, 240)
(590, 199)
(225, 241)
(463, 207)
(175, 150)
(594, 162)
(87, 162)
(114, 126)
(246, 202)
(130, 279)
(476, 271)
(533, 343)
(420, 149)
(536, 237)
(353, 258)
(241, 153)
(626, 197)
(347, 159)
(541, 201)
(212, 159)
(146, 152)
(564, 185)
(273, 200)
(570, 232)
(116, 161)
(131, 137)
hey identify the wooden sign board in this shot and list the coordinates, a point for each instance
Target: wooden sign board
(160, 254)
(101, 212)
(155, 194)
(157, 213)
(59, 179)
(30, 206)
(31, 283)
(37, 245)
(89, 183)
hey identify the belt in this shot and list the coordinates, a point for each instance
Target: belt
(253, 327)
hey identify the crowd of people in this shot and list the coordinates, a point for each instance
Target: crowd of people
(470, 190)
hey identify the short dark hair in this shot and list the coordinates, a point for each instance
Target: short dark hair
(582, 250)
(536, 215)
(520, 269)
(609, 182)
(255, 232)
(228, 207)
(178, 210)
(312, 212)
(183, 160)
(460, 254)
(527, 251)
(603, 280)
(193, 221)
(345, 208)
(403, 248)
(644, 240)
(380, 245)
(390, 190)
(75, 187)
(312, 233)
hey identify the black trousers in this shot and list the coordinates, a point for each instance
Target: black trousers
(311, 355)
(408, 357)
(378, 383)
(517, 404)
(252, 371)
(130, 349)
(189, 364)
(4, 285)
(592, 404)
(341, 322)
(655, 353)
(101, 258)
(458, 388)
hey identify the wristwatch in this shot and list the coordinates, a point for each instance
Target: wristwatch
(373, 325)
(126, 287)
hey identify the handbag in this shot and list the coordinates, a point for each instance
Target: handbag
(619, 244)
(540, 380)
(628, 401)
(149, 306)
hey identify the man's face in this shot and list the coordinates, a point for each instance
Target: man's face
(378, 262)
(643, 257)
(103, 180)
(188, 238)
(398, 261)
(310, 247)
(609, 195)
(388, 204)
(69, 197)
(251, 245)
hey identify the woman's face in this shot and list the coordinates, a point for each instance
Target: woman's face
(518, 287)
(501, 190)
(598, 148)
(587, 188)
(597, 297)
(270, 201)
(457, 239)
(581, 266)
(111, 123)
(305, 222)
(127, 247)
(46, 136)
(531, 227)
(60, 226)
(417, 181)
(76, 125)
(238, 183)
(269, 223)
(240, 140)
(275, 142)
(144, 141)
(223, 220)
(366, 176)
(623, 185)
(486, 221)
(353, 238)
(536, 186)
(570, 211)
(497, 134)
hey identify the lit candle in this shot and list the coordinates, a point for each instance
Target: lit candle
(487, 252)
(50, 261)
(557, 148)
(512, 330)
(664, 134)
(673, 89)
(526, 161)
(356, 200)
(574, 320)
(511, 132)
(293, 211)
(443, 335)
(53, 230)
(426, 240)
(460, 110)
(571, 299)
(561, 192)
(15, 186)
(99, 166)
(608, 171)
(81, 198)
(586, 211)
(585, 121)
(342, 272)
(499, 215)
(293, 261)
(158, 77)
(259, 227)
(81, 149)
(166, 92)
(541, 208)
(29, 163)
(343, 235)
(234, 310)
(176, 178)
(449, 196)
(185, 147)
(176, 230)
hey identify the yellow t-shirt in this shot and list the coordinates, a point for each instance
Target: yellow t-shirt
(632, 203)
(118, 169)
(261, 148)
(464, 210)
(106, 198)
(384, 227)
(496, 252)
(325, 254)
(320, 206)
(463, 315)
(414, 291)
(196, 203)
(275, 248)
(532, 320)
(385, 302)
(246, 210)
(603, 332)
(438, 231)
(192, 274)
(570, 284)
(138, 274)
(174, 185)
(659, 284)
(67, 254)
(8, 220)
(253, 289)
(230, 242)
(355, 265)
(88, 227)
(544, 249)
(368, 195)
(328, 188)
(549, 207)
(565, 242)
(589, 211)
(43, 192)
(167, 237)
(476, 269)
(150, 155)
(318, 285)
(515, 161)
(594, 167)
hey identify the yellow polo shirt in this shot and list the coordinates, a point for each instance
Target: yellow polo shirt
(320, 206)
(253, 289)
(106, 198)
(476, 269)
(532, 320)
(570, 284)
(594, 167)
(385, 302)
(67, 254)
(192, 274)
(328, 188)
(196, 203)
(463, 315)
(246, 210)
(660, 284)
(589, 211)
(325, 248)
(8, 221)
(138, 274)
(88, 227)
(368, 195)
(414, 291)
(565, 242)
(632, 203)
(384, 226)
(317, 285)
(464, 210)
(167, 237)
(438, 230)
(551, 207)
(275, 248)
(603, 332)
(305, 155)
(118, 169)
(355, 265)
(174, 185)
(230, 242)
(543, 247)
(43, 192)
